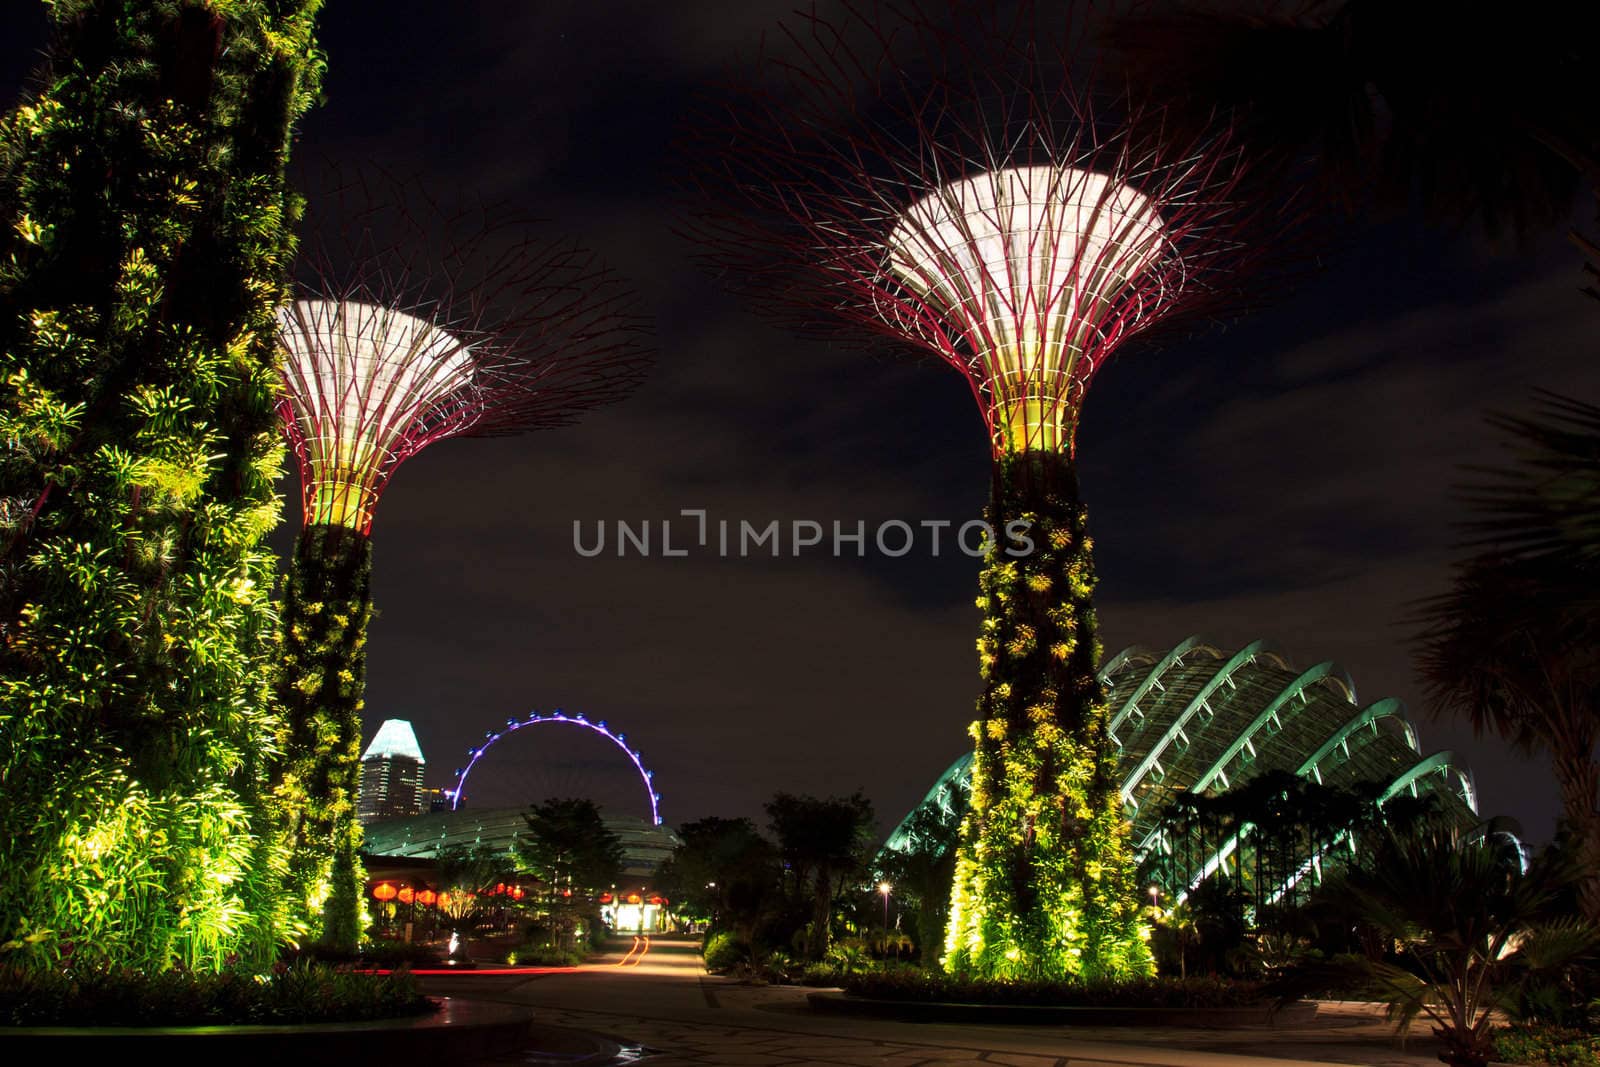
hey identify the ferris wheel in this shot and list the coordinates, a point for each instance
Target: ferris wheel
(558, 718)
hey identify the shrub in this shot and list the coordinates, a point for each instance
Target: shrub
(850, 956)
(114, 996)
(779, 967)
(386, 954)
(1559, 1046)
(395, 953)
(820, 974)
(723, 952)
(544, 956)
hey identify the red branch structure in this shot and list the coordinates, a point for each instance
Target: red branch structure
(393, 346)
(959, 187)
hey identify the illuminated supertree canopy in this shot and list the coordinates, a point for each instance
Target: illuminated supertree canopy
(957, 184)
(1019, 271)
(391, 345)
(388, 351)
(365, 379)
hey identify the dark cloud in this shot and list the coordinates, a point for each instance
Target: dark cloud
(1287, 479)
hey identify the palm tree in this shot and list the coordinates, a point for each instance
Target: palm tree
(1472, 930)
(1461, 113)
(1515, 642)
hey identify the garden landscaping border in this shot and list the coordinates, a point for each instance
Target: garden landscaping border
(838, 1003)
(459, 1030)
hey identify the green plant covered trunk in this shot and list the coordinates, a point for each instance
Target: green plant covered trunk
(1044, 881)
(326, 611)
(145, 238)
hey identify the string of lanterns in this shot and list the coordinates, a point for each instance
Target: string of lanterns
(387, 891)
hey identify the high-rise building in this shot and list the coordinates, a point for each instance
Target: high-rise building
(391, 774)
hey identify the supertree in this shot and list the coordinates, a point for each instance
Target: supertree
(412, 328)
(146, 234)
(953, 183)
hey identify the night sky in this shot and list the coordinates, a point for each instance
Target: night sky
(1289, 478)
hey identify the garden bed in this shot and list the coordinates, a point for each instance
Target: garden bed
(1534, 1043)
(301, 994)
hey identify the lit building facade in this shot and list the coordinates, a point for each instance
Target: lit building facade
(391, 775)
(645, 845)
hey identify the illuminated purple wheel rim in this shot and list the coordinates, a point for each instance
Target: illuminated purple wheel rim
(554, 718)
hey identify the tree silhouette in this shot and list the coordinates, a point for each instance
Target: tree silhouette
(568, 847)
(1394, 104)
(725, 870)
(1458, 112)
(1515, 642)
(923, 871)
(823, 843)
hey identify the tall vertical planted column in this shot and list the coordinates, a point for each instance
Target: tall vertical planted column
(145, 232)
(327, 606)
(1043, 876)
(958, 187)
(390, 349)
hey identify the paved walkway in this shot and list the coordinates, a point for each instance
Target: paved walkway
(660, 1004)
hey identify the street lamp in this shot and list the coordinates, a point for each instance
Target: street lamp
(1155, 897)
(884, 888)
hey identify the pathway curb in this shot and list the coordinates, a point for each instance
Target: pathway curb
(1054, 1015)
(459, 1030)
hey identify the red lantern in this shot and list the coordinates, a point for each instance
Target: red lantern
(658, 901)
(427, 897)
(384, 891)
(499, 888)
(516, 892)
(605, 898)
(634, 898)
(407, 894)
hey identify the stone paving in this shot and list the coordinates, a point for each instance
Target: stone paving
(1353, 1039)
(666, 1012)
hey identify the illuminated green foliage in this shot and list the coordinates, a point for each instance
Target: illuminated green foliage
(317, 780)
(1044, 880)
(145, 235)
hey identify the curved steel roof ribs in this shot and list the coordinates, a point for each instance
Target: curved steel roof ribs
(1153, 680)
(1302, 724)
(1152, 758)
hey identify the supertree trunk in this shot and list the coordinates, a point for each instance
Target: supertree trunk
(1044, 880)
(145, 235)
(326, 611)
